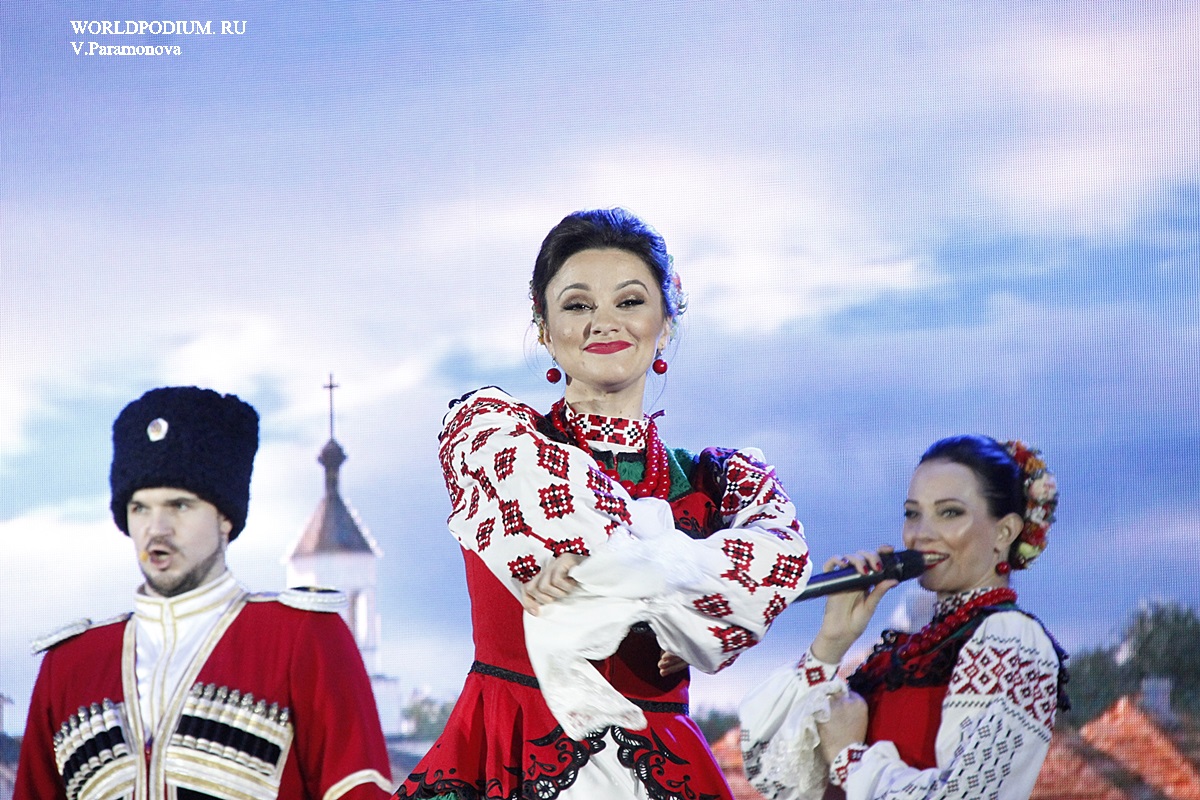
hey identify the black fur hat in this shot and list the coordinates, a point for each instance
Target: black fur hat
(184, 437)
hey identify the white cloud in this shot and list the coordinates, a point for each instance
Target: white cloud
(1110, 109)
(59, 565)
(753, 249)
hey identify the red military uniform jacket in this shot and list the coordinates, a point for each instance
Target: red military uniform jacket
(277, 705)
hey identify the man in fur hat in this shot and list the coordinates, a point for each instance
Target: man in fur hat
(205, 690)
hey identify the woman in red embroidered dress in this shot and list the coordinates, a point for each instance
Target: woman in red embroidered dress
(600, 563)
(963, 708)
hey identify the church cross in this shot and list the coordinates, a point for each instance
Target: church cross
(331, 386)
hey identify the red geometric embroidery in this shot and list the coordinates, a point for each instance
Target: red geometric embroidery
(713, 605)
(613, 506)
(614, 430)
(483, 534)
(524, 568)
(575, 545)
(774, 608)
(513, 519)
(815, 675)
(733, 638)
(504, 462)
(480, 439)
(840, 768)
(474, 504)
(514, 411)
(741, 553)
(552, 458)
(556, 501)
(480, 477)
(788, 571)
(598, 482)
(1041, 697)
(988, 669)
(485, 405)
(744, 479)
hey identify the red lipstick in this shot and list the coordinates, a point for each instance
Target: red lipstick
(605, 348)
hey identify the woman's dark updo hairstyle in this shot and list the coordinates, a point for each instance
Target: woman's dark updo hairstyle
(1000, 477)
(599, 229)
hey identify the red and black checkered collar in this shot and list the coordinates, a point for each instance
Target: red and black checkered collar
(625, 433)
(949, 605)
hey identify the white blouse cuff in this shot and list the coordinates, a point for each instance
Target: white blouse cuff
(845, 762)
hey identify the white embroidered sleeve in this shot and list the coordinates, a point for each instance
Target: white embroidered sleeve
(519, 499)
(765, 562)
(997, 718)
(779, 729)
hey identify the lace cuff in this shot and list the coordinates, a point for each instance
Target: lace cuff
(781, 755)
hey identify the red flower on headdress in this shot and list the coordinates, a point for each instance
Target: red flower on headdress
(1041, 500)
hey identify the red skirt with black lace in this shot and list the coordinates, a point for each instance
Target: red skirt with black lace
(502, 743)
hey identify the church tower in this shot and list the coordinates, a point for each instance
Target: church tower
(336, 550)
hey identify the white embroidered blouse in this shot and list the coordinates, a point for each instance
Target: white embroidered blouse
(520, 499)
(997, 718)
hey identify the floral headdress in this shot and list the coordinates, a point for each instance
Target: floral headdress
(1041, 499)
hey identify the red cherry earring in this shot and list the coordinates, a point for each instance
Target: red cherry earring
(659, 366)
(554, 375)
(1003, 568)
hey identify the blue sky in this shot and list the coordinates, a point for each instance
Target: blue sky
(895, 223)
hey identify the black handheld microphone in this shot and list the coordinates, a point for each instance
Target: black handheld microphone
(899, 566)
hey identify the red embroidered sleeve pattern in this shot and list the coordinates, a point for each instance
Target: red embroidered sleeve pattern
(518, 498)
(843, 762)
(815, 672)
(504, 462)
(992, 665)
(734, 638)
(753, 495)
(775, 607)
(741, 554)
(787, 571)
(714, 605)
(767, 556)
(483, 534)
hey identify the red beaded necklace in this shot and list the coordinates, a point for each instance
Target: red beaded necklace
(656, 480)
(939, 630)
(927, 657)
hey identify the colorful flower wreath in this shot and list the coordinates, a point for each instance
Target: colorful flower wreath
(1041, 499)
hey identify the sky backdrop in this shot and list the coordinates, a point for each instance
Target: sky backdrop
(895, 222)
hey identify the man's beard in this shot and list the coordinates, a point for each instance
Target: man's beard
(192, 579)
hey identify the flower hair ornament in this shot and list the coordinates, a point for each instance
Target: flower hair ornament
(1041, 500)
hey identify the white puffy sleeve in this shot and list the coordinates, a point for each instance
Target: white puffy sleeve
(997, 718)
(779, 729)
(519, 499)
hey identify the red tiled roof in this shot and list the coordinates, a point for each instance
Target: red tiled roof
(1075, 771)
(1130, 736)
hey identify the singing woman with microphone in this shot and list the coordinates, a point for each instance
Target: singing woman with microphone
(964, 707)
